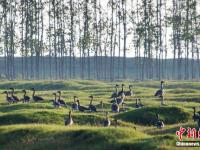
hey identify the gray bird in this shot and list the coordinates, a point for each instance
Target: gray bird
(107, 121)
(159, 124)
(69, 121)
(36, 98)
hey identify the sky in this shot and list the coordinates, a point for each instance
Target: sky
(131, 5)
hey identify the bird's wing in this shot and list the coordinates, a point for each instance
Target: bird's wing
(15, 97)
(158, 93)
(39, 98)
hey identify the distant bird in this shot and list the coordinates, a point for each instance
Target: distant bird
(115, 94)
(159, 124)
(82, 108)
(8, 98)
(137, 105)
(92, 107)
(115, 107)
(130, 92)
(121, 93)
(101, 104)
(16, 99)
(25, 97)
(118, 100)
(107, 121)
(160, 93)
(69, 121)
(62, 102)
(75, 104)
(34, 97)
(196, 117)
(55, 102)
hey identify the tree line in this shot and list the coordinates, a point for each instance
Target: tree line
(94, 39)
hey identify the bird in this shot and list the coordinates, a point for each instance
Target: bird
(69, 121)
(196, 117)
(92, 107)
(25, 97)
(118, 100)
(15, 98)
(107, 121)
(159, 124)
(115, 107)
(121, 93)
(81, 108)
(75, 104)
(130, 92)
(62, 102)
(115, 94)
(137, 105)
(101, 104)
(55, 102)
(34, 97)
(8, 98)
(160, 92)
(140, 103)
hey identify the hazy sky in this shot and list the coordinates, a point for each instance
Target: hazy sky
(131, 5)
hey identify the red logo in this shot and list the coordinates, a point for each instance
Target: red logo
(190, 133)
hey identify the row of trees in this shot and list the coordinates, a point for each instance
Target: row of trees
(91, 39)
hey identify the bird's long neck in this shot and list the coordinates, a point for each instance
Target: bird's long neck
(78, 103)
(24, 93)
(130, 88)
(116, 89)
(33, 92)
(136, 101)
(122, 88)
(157, 116)
(91, 101)
(55, 97)
(70, 115)
(74, 99)
(194, 111)
(12, 93)
(106, 115)
(59, 95)
(161, 86)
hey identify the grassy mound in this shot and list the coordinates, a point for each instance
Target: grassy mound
(49, 117)
(146, 116)
(53, 137)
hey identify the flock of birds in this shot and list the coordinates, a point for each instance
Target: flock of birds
(117, 96)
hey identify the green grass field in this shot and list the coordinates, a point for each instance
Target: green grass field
(40, 126)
